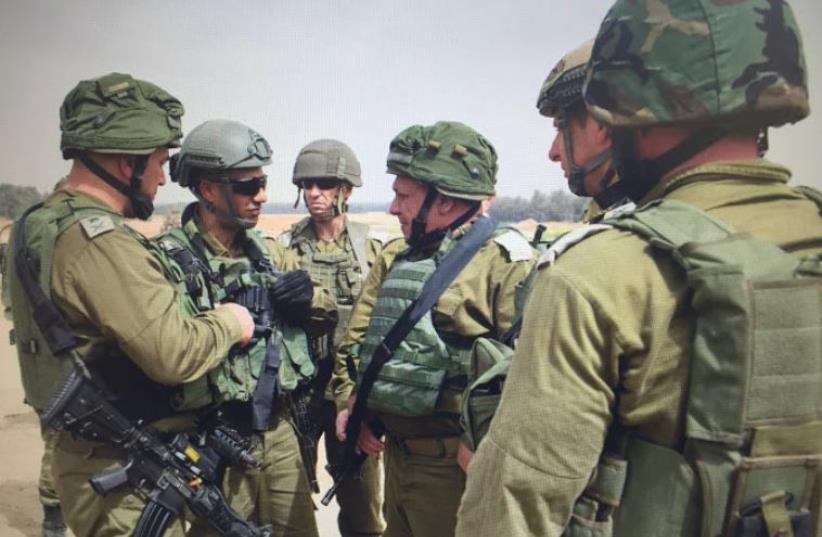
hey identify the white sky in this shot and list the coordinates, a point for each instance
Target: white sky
(297, 70)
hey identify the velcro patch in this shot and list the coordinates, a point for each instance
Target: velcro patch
(559, 246)
(517, 246)
(94, 226)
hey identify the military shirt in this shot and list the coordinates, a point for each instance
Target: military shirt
(478, 303)
(114, 295)
(607, 334)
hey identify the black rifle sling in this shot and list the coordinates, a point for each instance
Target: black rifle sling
(267, 383)
(450, 267)
(53, 327)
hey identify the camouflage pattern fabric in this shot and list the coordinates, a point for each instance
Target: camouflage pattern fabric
(450, 156)
(659, 62)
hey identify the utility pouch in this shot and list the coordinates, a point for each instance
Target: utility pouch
(490, 361)
(772, 493)
(769, 516)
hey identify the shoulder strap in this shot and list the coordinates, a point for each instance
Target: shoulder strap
(451, 265)
(813, 194)
(358, 235)
(50, 321)
(669, 224)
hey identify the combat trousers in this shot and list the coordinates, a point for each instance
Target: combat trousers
(423, 487)
(359, 499)
(278, 494)
(85, 512)
(45, 484)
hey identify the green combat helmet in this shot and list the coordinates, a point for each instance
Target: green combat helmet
(118, 114)
(559, 97)
(216, 146)
(450, 158)
(327, 159)
(714, 66)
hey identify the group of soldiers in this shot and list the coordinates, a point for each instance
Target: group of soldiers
(656, 371)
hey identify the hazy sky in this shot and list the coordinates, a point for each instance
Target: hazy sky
(357, 70)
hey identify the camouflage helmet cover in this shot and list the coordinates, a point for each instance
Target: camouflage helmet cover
(327, 159)
(450, 156)
(219, 144)
(668, 62)
(117, 114)
(563, 86)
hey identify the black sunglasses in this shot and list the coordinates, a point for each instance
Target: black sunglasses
(322, 184)
(248, 186)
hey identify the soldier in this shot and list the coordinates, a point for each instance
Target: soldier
(582, 144)
(337, 253)
(443, 173)
(684, 381)
(111, 290)
(222, 257)
(52, 524)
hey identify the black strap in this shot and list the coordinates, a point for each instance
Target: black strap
(53, 326)
(450, 267)
(268, 386)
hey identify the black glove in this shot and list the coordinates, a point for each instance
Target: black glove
(292, 293)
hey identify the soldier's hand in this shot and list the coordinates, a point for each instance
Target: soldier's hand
(464, 456)
(341, 422)
(292, 291)
(368, 443)
(244, 318)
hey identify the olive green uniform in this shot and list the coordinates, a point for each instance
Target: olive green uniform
(618, 347)
(45, 481)
(335, 266)
(423, 480)
(124, 313)
(278, 494)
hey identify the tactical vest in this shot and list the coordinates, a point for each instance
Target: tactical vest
(751, 459)
(341, 273)
(430, 369)
(40, 370)
(206, 280)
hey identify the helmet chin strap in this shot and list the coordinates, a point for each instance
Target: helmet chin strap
(141, 205)
(419, 239)
(639, 176)
(577, 173)
(229, 217)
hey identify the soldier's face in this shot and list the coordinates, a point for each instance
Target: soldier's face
(243, 197)
(588, 139)
(321, 194)
(408, 198)
(154, 175)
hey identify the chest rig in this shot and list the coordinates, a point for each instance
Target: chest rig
(137, 396)
(429, 369)
(340, 270)
(206, 280)
(751, 459)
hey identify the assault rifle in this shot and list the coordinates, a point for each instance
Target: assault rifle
(175, 474)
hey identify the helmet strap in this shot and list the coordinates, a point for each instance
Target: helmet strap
(229, 217)
(299, 196)
(639, 176)
(141, 205)
(577, 173)
(340, 205)
(419, 239)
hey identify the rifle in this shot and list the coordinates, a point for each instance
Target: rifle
(448, 269)
(176, 474)
(307, 431)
